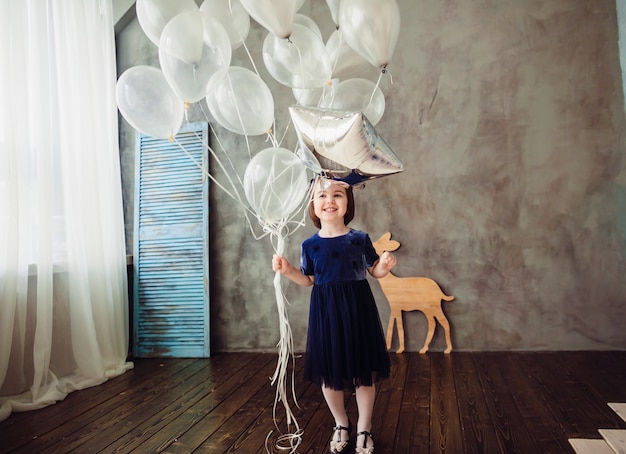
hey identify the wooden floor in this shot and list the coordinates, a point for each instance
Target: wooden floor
(434, 403)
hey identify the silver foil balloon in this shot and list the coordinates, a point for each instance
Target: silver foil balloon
(342, 145)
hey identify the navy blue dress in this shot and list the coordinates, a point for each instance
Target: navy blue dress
(345, 341)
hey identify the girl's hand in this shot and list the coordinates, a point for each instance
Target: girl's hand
(387, 261)
(280, 264)
(384, 264)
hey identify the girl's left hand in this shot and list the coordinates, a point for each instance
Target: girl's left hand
(387, 261)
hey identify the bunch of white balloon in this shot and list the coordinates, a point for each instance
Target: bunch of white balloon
(195, 46)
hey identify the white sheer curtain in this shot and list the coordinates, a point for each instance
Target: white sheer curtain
(63, 289)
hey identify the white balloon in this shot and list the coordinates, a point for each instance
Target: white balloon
(275, 183)
(153, 15)
(194, 46)
(333, 5)
(241, 102)
(307, 96)
(344, 60)
(147, 102)
(309, 23)
(300, 62)
(360, 95)
(371, 28)
(233, 17)
(274, 15)
(312, 96)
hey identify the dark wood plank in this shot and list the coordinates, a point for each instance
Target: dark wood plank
(24, 426)
(155, 407)
(388, 404)
(412, 432)
(319, 423)
(541, 422)
(586, 397)
(258, 434)
(203, 418)
(261, 414)
(572, 420)
(511, 433)
(479, 434)
(211, 374)
(87, 407)
(114, 420)
(445, 426)
(604, 371)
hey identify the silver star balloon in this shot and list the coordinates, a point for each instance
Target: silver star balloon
(342, 145)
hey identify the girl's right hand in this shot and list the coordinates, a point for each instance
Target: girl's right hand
(280, 264)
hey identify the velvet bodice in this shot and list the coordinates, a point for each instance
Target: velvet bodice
(341, 258)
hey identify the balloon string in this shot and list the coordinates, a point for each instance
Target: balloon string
(285, 442)
(369, 103)
(380, 76)
(233, 171)
(271, 137)
(235, 196)
(301, 63)
(340, 36)
(221, 145)
(201, 167)
(285, 355)
(290, 224)
(236, 104)
(243, 43)
(332, 95)
(285, 133)
(384, 70)
(278, 231)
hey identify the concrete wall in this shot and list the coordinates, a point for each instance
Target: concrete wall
(509, 117)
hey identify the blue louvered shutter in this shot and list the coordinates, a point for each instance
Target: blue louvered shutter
(171, 282)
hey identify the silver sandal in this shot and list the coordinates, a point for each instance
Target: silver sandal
(364, 449)
(339, 446)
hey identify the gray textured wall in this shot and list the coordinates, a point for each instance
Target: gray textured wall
(509, 117)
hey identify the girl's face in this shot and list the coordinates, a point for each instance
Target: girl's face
(330, 201)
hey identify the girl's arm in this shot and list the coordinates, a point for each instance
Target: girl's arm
(282, 265)
(384, 264)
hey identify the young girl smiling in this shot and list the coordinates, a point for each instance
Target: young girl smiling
(346, 347)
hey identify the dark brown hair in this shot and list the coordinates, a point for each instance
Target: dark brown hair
(349, 210)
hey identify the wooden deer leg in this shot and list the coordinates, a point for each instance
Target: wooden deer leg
(392, 318)
(443, 321)
(400, 325)
(431, 331)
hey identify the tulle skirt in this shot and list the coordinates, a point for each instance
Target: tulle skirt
(345, 341)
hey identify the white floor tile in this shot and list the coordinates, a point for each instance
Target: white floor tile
(584, 446)
(616, 438)
(619, 408)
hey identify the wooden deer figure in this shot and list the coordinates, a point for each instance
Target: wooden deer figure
(412, 294)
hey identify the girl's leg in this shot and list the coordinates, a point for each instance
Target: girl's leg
(365, 396)
(336, 404)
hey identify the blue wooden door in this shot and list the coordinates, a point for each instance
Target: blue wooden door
(171, 279)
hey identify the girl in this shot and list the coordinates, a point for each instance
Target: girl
(345, 342)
